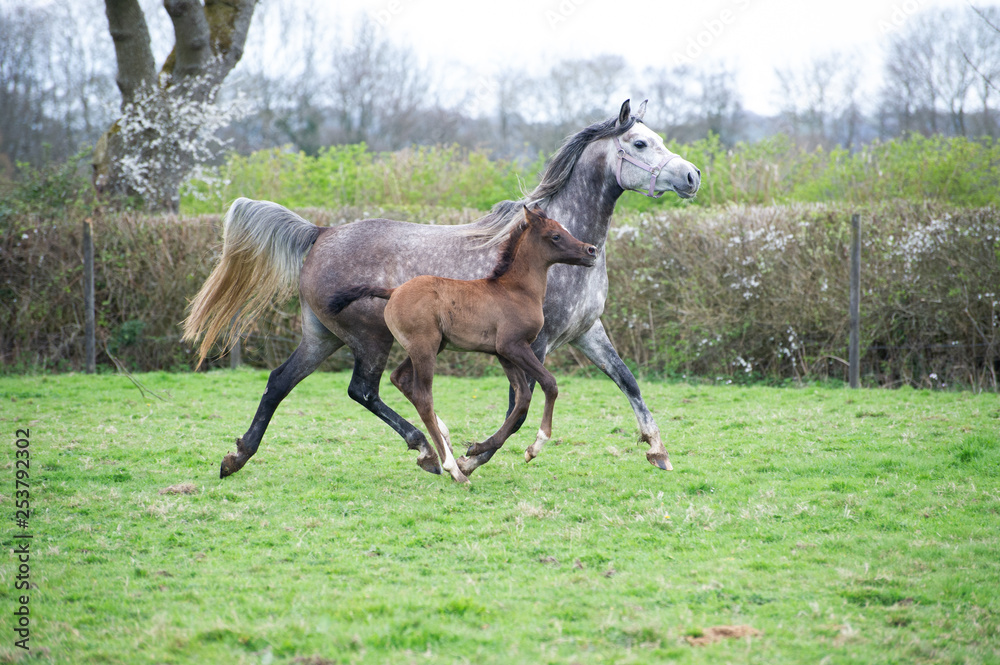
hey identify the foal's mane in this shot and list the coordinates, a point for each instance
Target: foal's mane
(500, 221)
(508, 251)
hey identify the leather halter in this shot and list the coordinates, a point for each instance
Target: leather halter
(652, 170)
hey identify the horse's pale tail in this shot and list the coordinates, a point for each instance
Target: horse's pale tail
(342, 299)
(262, 249)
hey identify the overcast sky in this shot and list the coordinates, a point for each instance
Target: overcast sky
(469, 41)
(751, 36)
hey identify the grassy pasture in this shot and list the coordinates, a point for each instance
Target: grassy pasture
(845, 527)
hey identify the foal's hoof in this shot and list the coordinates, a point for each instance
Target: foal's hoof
(530, 453)
(469, 464)
(489, 446)
(660, 461)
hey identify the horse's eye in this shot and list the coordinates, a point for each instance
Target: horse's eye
(640, 144)
(556, 237)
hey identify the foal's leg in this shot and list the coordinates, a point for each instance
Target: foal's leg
(317, 344)
(481, 453)
(419, 381)
(539, 347)
(597, 347)
(370, 355)
(402, 377)
(525, 358)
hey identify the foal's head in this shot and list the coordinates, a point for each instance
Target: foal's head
(555, 243)
(548, 238)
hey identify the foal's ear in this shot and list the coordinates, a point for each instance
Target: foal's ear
(529, 215)
(532, 216)
(624, 113)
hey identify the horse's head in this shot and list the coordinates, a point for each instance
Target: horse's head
(641, 162)
(557, 244)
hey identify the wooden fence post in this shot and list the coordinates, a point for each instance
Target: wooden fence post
(88, 297)
(854, 359)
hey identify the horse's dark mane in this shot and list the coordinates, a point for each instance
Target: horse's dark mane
(493, 227)
(559, 168)
(507, 252)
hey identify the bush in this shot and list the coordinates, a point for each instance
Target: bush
(749, 292)
(740, 292)
(350, 175)
(774, 170)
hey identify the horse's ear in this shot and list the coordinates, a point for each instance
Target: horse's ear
(624, 113)
(642, 110)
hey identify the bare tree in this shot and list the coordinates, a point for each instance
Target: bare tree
(818, 101)
(52, 79)
(670, 97)
(981, 51)
(927, 73)
(168, 120)
(582, 90)
(719, 105)
(377, 89)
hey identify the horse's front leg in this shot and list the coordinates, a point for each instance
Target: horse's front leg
(597, 347)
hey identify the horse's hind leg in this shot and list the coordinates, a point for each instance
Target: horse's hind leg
(317, 345)
(369, 363)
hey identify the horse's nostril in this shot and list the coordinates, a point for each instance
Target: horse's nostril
(691, 179)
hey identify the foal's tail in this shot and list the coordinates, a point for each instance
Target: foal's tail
(262, 250)
(342, 299)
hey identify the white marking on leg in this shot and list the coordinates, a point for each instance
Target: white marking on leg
(449, 460)
(535, 448)
(445, 432)
(451, 466)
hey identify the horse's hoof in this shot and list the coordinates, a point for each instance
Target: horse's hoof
(230, 465)
(430, 465)
(660, 461)
(233, 462)
(529, 454)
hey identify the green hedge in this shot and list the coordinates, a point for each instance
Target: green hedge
(735, 293)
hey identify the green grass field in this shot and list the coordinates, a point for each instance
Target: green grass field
(840, 526)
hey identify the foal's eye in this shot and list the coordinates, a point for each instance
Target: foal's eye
(556, 237)
(640, 144)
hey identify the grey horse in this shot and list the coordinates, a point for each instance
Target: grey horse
(263, 246)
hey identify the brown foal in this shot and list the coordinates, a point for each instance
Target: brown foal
(500, 315)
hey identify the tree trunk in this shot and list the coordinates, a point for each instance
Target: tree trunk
(162, 133)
